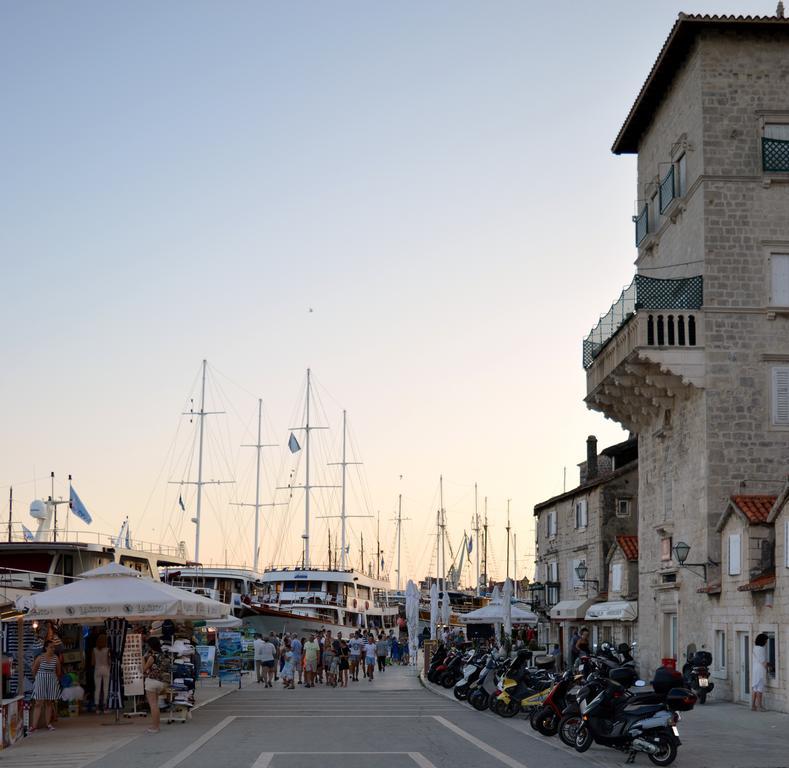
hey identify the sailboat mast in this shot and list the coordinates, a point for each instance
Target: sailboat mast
(508, 538)
(11, 509)
(443, 533)
(256, 544)
(307, 480)
(399, 523)
(378, 545)
(201, 416)
(515, 561)
(485, 558)
(476, 533)
(342, 512)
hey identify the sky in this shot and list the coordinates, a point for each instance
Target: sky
(416, 200)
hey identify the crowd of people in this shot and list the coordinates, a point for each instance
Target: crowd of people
(320, 658)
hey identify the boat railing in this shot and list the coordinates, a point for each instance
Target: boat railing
(298, 567)
(35, 581)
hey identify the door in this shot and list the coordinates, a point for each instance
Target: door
(744, 666)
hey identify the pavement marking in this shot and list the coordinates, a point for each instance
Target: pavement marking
(421, 760)
(195, 745)
(264, 760)
(492, 751)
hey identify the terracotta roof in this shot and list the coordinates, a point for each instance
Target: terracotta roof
(710, 589)
(755, 508)
(765, 581)
(671, 57)
(629, 545)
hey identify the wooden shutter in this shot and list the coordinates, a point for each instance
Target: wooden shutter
(616, 577)
(781, 396)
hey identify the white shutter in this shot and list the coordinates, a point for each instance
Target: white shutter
(786, 542)
(779, 279)
(777, 131)
(616, 577)
(734, 555)
(553, 571)
(781, 396)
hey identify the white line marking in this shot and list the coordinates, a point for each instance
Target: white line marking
(492, 751)
(195, 745)
(264, 760)
(421, 760)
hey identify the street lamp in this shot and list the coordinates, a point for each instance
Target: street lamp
(681, 551)
(581, 570)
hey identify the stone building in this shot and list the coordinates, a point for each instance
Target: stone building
(694, 356)
(579, 528)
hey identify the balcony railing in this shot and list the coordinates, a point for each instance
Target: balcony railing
(667, 190)
(642, 225)
(655, 294)
(775, 155)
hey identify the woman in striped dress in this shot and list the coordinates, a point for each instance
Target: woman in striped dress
(46, 685)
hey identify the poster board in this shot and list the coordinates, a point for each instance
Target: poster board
(207, 655)
(230, 655)
(133, 684)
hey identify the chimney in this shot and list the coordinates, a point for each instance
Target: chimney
(779, 11)
(591, 458)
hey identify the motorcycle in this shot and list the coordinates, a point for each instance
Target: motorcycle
(453, 668)
(524, 687)
(546, 719)
(484, 689)
(437, 663)
(696, 673)
(471, 672)
(611, 719)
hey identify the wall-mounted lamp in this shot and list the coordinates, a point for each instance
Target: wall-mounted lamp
(581, 570)
(681, 551)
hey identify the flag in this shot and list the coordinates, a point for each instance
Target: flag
(382, 562)
(470, 544)
(128, 536)
(181, 503)
(78, 508)
(293, 444)
(28, 533)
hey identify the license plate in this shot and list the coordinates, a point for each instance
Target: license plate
(703, 682)
(675, 730)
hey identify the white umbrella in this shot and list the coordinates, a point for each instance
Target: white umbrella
(495, 596)
(412, 618)
(493, 613)
(445, 608)
(114, 591)
(507, 605)
(433, 609)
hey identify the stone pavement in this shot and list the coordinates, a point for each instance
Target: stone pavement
(718, 734)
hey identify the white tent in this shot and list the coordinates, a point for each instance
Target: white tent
(506, 600)
(412, 618)
(493, 613)
(433, 609)
(116, 592)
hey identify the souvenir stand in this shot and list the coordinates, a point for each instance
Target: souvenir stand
(181, 688)
(133, 680)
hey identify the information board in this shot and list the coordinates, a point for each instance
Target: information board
(133, 684)
(207, 659)
(230, 655)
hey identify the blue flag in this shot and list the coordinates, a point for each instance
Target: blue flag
(78, 508)
(293, 444)
(181, 503)
(28, 533)
(382, 562)
(470, 544)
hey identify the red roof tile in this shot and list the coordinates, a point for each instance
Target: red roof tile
(755, 508)
(629, 545)
(765, 581)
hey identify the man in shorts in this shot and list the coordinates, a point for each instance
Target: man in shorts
(355, 646)
(311, 654)
(264, 660)
(275, 641)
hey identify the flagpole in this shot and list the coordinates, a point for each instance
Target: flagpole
(69, 506)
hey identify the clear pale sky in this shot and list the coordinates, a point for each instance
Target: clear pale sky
(187, 179)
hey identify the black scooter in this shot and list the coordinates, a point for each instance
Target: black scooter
(696, 673)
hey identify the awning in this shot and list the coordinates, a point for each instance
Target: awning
(615, 610)
(570, 609)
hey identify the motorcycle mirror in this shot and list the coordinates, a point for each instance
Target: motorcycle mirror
(640, 683)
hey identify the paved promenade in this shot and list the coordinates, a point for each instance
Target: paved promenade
(394, 722)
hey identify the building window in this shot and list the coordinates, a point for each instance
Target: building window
(779, 279)
(551, 523)
(786, 543)
(623, 507)
(667, 189)
(735, 567)
(665, 549)
(581, 513)
(719, 656)
(552, 594)
(654, 210)
(780, 396)
(616, 577)
(681, 175)
(771, 650)
(553, 571)
(775, 148)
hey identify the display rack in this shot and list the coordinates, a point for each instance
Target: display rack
(181, 689)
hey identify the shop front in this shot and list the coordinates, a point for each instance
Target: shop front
(613, 621)
(567, 617)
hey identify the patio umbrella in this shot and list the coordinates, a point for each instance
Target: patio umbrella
(494, 614)
(412, 617)
(433, 609)
(445, 608)
(506, 599)
(116, 592)
(116, 642)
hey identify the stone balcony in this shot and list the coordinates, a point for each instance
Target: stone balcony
(638, 359)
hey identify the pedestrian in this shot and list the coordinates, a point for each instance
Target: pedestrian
(297, 649)
(405, 652)
(582, 645)
(369, 657)
(760, 666)
(266, 652)
(101, 672)
(557, 657)
(287, 673)
(381, 652)
(355, 650)
(257, 646)
(394, 648)
(46, 685)
(344, 663)
(329, 659)
(156, 672)
(573, 642)
(312, 652)
(275, 641)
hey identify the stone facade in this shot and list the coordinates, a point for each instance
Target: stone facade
(713, 434)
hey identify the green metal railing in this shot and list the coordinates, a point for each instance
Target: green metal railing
(649, 292)
(775, 155)
(667, 189)
(642, 225)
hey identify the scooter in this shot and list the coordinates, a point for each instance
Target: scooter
(696, 673)
(453, 668)
(483, 691)
(437, 663)
(471, 672)
(524, 687)
(547, 718)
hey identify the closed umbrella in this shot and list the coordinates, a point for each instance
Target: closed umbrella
(445, 608)
(412, 618)
(116, 642)
(506, 599)
(433, 609)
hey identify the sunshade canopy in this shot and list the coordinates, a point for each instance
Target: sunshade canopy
(114, 591)
(614, 610)
(570, 609)
(493, 613)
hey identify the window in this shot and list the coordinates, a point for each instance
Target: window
(779, 279)
(775, 148)
(780, 396)
(553, 571)
(777, 131)
(771, 653)
(623, 507)
(551, 523)
(581, 513)
(786, 543)
(654, 210)
(681, 166)
(668, 493)
(667, 189)
(719, 654)
(574, 580)
(665, 549)
(735, 567)
(616, 577)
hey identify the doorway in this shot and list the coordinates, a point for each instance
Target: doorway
(744, 666)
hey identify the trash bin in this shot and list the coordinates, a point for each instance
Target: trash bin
(669, 663)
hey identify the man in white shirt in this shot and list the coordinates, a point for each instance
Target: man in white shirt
(264, 660)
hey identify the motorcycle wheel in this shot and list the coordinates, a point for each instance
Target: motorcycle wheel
(432, 677)
(510, 709)
(668, 751)
(702, 697)
(479, 700)
(533, 717)
(583, 739)
(448, 679)
(461, 692)
(568, 726)
(546, 721)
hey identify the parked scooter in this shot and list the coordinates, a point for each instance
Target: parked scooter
(471, 671)
(483, 690)
(696, 673)
(547, 718)
(437, 665)
(524, 687)
(453, 667)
